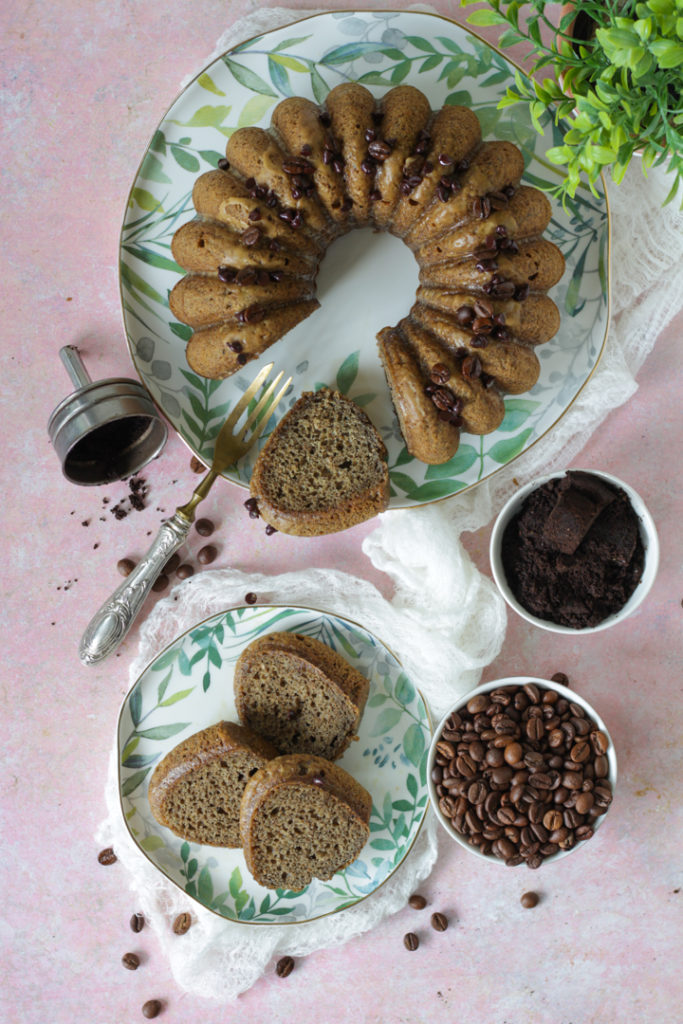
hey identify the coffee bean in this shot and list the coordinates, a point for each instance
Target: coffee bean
(184, 571)
(439, 922)
(125, 566)
(172, 564)
(411, 941)
(182, 923)
(284, 966)
(250, 598)
(417, 902)
(560, 678)
(106, 856)
(207, 554)
(160, 583)
(529, 899)
(599, 741)
(151, 1009)
(131, 961)
(137, 922)
(196, 466)
(204, 527)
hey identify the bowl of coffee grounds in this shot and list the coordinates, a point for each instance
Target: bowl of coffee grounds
(521, 771)
(574, 552)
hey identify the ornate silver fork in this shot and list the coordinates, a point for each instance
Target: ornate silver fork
(111, 623)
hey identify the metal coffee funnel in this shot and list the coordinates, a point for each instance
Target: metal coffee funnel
(106, 430)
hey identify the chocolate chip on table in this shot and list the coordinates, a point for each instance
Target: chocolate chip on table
(160, 583)
(204, 527)
(529, 899)
(150, 1009)
(284, 966)
(106, 856)
(182, 923)
(131, 961)
(411, 941)
(417, 902)
(125, 566)
(207, 554)
(250, 598)
(439, 922)
(184, 571)
(137, 922)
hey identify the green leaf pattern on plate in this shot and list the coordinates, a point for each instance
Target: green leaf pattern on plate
(189, 686)
(379, 49)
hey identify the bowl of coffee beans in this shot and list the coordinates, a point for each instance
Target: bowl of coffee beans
(574, 552)
(521, 771)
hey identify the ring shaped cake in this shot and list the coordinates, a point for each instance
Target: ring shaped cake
(267, 214)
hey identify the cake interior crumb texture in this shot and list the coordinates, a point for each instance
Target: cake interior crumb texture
(291, 703)
(301, 832)
(204, 806)
(324, 455)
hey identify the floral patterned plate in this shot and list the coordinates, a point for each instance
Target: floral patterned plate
(189, 686)
(366, 281)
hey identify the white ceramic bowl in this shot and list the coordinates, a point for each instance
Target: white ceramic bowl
(648, 535)
(496, 684)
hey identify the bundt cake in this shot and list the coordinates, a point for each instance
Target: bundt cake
(323, 469)
(281, 196)
(302, 817)
(197, 788)
(300, 694)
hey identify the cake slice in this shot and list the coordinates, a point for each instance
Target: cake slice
(301, 818)
(197, 789)
(300, 694)
(323, 469)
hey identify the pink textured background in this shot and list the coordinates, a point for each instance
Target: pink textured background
(83, 88)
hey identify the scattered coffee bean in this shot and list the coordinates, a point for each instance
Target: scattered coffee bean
(284, 966)
(160, 583)
(439, 922)
(125, 566)
(411, 941)
(207, 554)
(151, 1009)
(417, 902)
(172, 564)
(137, 922)
(560, 678)
(196, 466)
(529, 899)
(182, 923)
(204, 527)
(250, 598)
(184, 571)
(131, 961)
(106, 856)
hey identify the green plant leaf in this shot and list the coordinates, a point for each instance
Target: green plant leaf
(414, 743)
(435, 489)
(145, 200)
(206, 82)
(504, 451)
(152, 843)
(385, 721)
(207, 117)
(133, 781)
(517, 411)
(180, 695)
(465, 457)
(404, 691)
(279, 77)
(235, 883)
(348, 371)
(350, 51)
(205, 886)
(135, 705)
(254, 109)
(289, 62)
(248, 78)
(163, 732)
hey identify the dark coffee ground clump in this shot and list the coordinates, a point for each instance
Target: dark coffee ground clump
(593, 520)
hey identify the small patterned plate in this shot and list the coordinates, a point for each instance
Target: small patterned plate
(367, 281)
(189, 686)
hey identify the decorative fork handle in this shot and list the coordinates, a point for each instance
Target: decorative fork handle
(111, 623)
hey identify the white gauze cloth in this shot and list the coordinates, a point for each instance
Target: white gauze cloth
(445, 621)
